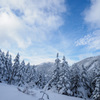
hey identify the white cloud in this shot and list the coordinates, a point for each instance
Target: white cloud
(25, 21)
(92, 14)
(10, 26)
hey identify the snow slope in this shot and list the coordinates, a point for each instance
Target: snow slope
(9, 92)
(90, 63)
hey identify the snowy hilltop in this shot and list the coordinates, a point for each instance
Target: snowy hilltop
(81, 80)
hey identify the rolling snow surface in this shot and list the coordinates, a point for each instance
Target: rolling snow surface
(10, 92)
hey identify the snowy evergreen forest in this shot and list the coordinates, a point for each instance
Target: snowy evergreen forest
(81, 80)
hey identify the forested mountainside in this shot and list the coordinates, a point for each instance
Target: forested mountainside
(82, 79)
(89, 63)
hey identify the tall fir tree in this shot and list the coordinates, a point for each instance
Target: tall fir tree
(85, 82)
(6, 73)
(96, 92)
(21, 72)
(96, 84)
(55, 78)
(1, 66)
(64, 79)
(75, 80)
(15, 69)
(9, 68)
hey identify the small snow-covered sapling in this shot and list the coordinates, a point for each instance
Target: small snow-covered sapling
(43, 95)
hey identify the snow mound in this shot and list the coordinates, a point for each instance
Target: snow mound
(9, 92)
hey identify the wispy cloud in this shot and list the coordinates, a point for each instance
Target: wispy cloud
(92, 18)
(91, 40)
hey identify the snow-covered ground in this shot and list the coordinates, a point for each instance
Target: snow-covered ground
(9, 92)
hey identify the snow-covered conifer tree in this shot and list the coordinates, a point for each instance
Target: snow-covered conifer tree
(96, 92)
(32, 76)
(15, 69)
(10, 68)
(40, 82)
(85, 83)
(1, 66)
(64, 79)
(55, 79)
(21, 73)
(75, 80)
(6, 72)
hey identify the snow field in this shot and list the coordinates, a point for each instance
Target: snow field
(10, 92)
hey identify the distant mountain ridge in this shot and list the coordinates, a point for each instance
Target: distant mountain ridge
(89, 63)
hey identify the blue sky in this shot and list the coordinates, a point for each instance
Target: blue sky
(38, 29)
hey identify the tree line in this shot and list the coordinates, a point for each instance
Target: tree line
(65, 80)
